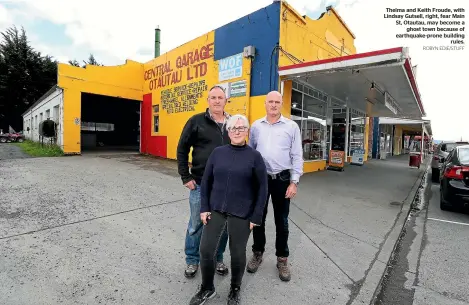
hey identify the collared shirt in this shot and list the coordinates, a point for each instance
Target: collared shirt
(225, 120)
(280, 145)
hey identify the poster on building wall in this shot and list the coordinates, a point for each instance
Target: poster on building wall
(226, 88)
(238, 88)
(230, 67)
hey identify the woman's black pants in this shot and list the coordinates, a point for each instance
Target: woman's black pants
(238, 233)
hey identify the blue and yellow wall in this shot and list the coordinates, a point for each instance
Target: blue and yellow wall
(259, 29)
(173, 86)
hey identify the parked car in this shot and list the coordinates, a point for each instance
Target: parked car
(4, 138)
(439, 155)
(11, 137)
(454, 178)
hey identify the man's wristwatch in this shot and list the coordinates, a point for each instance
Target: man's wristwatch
(295, 182)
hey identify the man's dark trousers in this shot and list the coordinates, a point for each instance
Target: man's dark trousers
(277, 190)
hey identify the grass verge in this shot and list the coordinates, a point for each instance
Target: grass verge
(36, 149)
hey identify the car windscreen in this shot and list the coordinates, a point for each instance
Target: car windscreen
(450, 146)
(464, 155)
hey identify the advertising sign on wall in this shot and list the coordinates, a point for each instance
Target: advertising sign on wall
(234, 89)
(238, 88)
(179, 81)
(226, 88)
(230, 67)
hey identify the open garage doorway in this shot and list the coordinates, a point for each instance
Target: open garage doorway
(109, 123)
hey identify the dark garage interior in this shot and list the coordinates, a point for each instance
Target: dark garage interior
(109, 123)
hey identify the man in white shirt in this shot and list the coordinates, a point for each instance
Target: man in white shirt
(278, 139)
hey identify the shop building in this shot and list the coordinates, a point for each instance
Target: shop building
(45, 108)
(328, 89)
(397, 136)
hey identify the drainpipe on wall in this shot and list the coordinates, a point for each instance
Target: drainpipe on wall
(157, 41)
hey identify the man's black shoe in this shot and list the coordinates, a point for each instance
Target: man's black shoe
(233, 296)
(191, 270)
(202, 296)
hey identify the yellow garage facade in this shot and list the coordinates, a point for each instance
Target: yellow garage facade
(248, 57)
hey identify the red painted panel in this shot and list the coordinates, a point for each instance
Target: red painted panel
(157, 146)
(153, 145)
(413, 83)
(145, 127)
(341, 58)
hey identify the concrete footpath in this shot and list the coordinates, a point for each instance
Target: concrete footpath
(109, 229)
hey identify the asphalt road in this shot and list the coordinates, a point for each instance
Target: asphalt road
(430, 263)
(109, 229)
(443, 273)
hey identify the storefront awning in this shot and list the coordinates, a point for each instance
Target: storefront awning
(406, 122)
(384, 78)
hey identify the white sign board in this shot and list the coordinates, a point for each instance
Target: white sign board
(238, 88)
(226, 87)
(230, 67)
(390, 103)
(358, 156)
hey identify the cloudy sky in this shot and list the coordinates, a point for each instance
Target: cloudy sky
(117, 30)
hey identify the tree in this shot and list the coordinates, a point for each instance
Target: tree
(25, 75)
(74, 63)
(91, 61)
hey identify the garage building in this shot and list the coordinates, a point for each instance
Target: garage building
(328, 89)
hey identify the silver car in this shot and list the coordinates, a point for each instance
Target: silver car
(441, 152)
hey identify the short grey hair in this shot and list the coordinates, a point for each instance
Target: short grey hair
(234, 118)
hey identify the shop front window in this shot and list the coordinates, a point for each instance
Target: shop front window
(310, 115)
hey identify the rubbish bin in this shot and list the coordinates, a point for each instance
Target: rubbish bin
(414, 160)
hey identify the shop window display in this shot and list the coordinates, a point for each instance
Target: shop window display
(310, 115)
(357, 133)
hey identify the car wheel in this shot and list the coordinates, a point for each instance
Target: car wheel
(435, 175)
(443, 205)
(20, 140)
(3, 140)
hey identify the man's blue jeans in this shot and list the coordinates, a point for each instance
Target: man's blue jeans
(194, 232)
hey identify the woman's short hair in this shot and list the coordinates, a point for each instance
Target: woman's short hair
(234, 118)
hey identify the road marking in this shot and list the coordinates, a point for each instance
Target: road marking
(454, 222)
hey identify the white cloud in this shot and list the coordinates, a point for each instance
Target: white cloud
(122, 30)
(115, 31)
(6, 18)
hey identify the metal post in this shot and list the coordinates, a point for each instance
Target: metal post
(330, 111)
(157, 42)
(347, 115)
(302, 118)
(324, 136)
(422, 141)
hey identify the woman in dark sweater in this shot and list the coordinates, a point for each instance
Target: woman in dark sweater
(233, 194)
